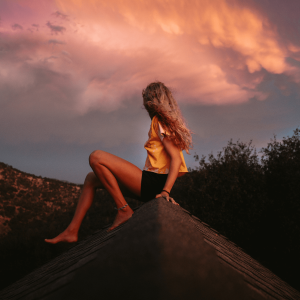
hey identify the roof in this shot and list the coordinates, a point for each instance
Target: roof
(162, 252)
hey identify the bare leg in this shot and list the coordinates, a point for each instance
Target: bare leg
(118, 177)
(110, 183)
(70, 234)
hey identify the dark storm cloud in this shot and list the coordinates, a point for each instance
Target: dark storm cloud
(55, 28)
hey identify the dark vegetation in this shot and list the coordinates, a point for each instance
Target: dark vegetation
(253, 200)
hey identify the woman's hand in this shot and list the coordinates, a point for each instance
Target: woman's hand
(167, 197)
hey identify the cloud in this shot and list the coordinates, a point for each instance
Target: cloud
(58, 14)
(17, 27)
(36, 26)
(56, 42)
(195, 32)
(215, 23)
(55, 28)
(217, 55)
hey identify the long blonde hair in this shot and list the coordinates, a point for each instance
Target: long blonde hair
(158, 101)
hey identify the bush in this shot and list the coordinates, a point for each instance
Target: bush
(253, 202)
(227, 191)
(280, 232)
(281, 162)
(9, 210)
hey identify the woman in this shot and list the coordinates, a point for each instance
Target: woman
(168, 136)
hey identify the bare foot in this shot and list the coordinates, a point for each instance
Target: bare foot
(123, 215)
(67, 236)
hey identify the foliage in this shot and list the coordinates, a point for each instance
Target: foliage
(281, 162)
(253, 202)
(281, 222)
(227, 189)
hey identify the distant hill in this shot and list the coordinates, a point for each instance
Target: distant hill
(32, 195)
(33, 208)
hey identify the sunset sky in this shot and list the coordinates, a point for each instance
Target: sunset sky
(72, 73)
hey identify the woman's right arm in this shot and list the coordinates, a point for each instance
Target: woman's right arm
(175, 162)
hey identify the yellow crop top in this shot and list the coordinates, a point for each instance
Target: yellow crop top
(158, 160)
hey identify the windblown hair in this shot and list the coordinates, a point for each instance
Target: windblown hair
(159, 101)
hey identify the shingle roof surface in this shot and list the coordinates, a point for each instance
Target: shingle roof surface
(162, 252)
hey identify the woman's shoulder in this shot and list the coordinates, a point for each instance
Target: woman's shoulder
(154, 119)
(154, 122)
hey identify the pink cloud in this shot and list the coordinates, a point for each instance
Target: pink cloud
(184, 35)
(17, 27)
(105, 52)
(55, 28)
(180, 35)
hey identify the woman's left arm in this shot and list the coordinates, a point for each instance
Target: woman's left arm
(175, 163)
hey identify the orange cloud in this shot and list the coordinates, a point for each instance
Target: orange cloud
(184, 33)
(213, 23)
(209, 51)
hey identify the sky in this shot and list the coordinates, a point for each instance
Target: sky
(72, 73)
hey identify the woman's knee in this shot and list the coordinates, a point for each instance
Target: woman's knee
(95, 157)
(91, 179)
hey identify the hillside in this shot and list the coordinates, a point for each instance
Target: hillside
(33, 208)
(33, 196)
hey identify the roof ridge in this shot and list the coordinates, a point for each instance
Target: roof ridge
(166, 248)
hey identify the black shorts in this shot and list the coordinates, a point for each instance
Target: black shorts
(152, 184)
